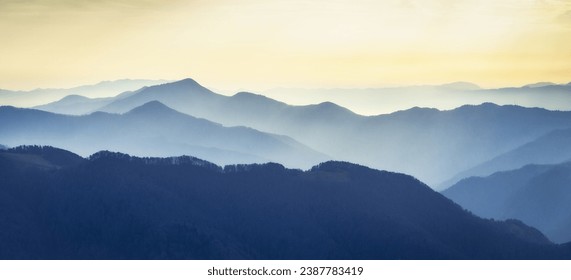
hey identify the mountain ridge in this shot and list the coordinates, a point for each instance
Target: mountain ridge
(189, 211)
(473, 132)
(152, 130)
(40, 97)
(538, 195)
(551, 148)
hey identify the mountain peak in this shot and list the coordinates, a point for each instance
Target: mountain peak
(187, 81)
(539, 84)
(152, 107)
(485, 105)
(182, 86)
(330, 109)
(245, 94)
(327, 105)
(461, 86)
(74, 98)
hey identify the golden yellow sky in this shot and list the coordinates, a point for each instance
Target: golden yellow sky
(259, 44)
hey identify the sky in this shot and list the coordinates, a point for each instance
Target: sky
(261, 44)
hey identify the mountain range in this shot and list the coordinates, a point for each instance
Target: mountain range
(160, 205)
(553, 147)
(152, 130)
(57, 205)
(365, 101)
(538, 195)
(374, 101)
(102, 89)
(408, 141)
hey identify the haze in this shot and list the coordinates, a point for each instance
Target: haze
(256, 45)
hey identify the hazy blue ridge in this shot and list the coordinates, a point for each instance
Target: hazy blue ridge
(538, 195)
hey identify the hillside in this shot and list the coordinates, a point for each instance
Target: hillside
(538, 195)
(114, 206)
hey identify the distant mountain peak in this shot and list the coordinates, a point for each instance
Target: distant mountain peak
(331, 106)
(258, 99)
(331, 109)
(74, 97)
(183, 86)
(414, 111)
(328, 104)
(246, 94)
(187, 83)
(539, 84)
(152, 107)
(461, 86)
(485, 105)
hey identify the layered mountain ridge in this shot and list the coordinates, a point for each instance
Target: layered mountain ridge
(465, 137)
(152, 129)
(538, 195)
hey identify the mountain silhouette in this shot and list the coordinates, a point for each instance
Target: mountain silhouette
(461, 86)
(374, 101)
(115, 206)
(75, 105)
(539, 84)
(548, 149)
(184, 96)
(408, 141)
(465, 137)
(538, 195)
(102, 89)
(40, 157)
(152, 129)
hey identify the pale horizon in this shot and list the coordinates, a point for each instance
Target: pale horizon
(229, 91)
(259, 45)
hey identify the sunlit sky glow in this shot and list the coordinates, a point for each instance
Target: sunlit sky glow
(259, 44)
